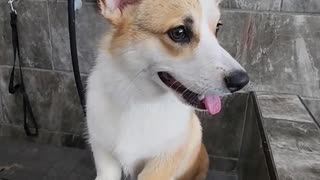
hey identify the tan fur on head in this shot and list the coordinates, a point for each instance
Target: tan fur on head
(143, 20)
(114, 10)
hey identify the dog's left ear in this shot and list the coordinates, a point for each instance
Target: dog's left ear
(112, 8)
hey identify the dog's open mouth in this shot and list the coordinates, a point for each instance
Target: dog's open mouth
(210, 103)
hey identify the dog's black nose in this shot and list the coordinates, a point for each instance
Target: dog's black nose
(236, 80)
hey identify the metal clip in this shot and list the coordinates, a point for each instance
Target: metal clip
(12, 6)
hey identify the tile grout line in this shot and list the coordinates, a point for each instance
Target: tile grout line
(50, 32)
(223, 157)
(2, 109)
(288, 120)
(244, 125)
(317, 14)
(285, 93)
(309, 112)
(44, 70)
(43, 130)
(311, 98)
(281, 5)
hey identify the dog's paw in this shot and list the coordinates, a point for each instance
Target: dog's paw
(111, 175)
(108, 178)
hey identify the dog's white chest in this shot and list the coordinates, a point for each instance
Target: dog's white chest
(150, 129)
(143, 130)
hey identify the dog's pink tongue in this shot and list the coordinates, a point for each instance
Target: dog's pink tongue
(213, 104)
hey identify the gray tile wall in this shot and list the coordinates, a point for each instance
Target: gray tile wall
(34, 34)
(311, 6)
(296, 6)
(274, 5)
(279, 49)
(53, 97)
(44, 34)
(47, 69)
(90, 28)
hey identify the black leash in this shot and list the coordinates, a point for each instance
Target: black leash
(74, 56)
(19, 87)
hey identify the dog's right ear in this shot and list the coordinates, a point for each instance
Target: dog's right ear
(113, 8)
(219, 1)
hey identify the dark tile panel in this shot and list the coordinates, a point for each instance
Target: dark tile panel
(90, 28)
(292, 165)
(314, 107)
(252, 161)
(1, 111)
(282, 106)
(45, 137)
(222, 164)
(310, 6)
(223, 132)
(301, 137)
(272, 45)
(214, 175)
(5, 34)
(53, 97)
(33, 161)
(273, 5)
(38, 161)
(34, 34)
(85, 169)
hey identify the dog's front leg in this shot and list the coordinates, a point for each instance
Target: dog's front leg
(107, 167)
(161, 168)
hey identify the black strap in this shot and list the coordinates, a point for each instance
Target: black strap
(20, 88)
(74, 55)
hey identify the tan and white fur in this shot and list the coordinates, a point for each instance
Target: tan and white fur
(134, 121)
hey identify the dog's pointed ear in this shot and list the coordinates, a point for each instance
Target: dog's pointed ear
(110, 7)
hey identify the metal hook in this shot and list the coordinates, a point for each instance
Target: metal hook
(12, 6)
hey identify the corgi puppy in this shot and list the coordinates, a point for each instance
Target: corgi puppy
(160, 63)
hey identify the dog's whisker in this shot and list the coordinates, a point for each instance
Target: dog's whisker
(131, 84)
(196, 95)
(174, 83)
(186, 90)
(239, 56)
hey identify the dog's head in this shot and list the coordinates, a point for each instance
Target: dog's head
(175, 43)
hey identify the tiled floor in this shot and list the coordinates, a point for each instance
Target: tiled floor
(29, 161)
(313, 106)
(214, 175)
(293, 134)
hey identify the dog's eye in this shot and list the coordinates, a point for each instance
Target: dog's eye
(218, 27)
(179, 34)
